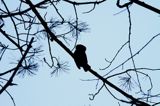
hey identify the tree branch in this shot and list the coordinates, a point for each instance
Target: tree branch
(139, 3)
(24, 11)
(133, 100)
(52, 35)
(17, 67)
(146, 6)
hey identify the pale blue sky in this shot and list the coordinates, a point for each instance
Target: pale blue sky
(108, 32)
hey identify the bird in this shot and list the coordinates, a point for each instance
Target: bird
(80, 57)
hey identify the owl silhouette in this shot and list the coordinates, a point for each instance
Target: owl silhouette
(80, 57)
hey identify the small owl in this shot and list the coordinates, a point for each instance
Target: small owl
(81, 58)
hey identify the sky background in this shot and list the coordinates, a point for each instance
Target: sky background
(108, 32)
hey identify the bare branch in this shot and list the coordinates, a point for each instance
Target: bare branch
(17, 67)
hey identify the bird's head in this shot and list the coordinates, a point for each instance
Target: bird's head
(80, 47)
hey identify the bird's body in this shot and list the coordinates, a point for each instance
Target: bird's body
(81, 58)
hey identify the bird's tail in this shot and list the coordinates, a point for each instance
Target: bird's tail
(86, 67)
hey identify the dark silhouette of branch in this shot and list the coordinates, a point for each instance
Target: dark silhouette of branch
(24, 11)
(6, 72)
(124, 5)
(84, 3)
(10, 96)
(139, 51)
(17, 67)
(129, 46)
(11, 40)
(147, 6)
(53, 37)
(132, 99)
(14, 24)
(110, 62)
(94, 95)
(57, 11)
